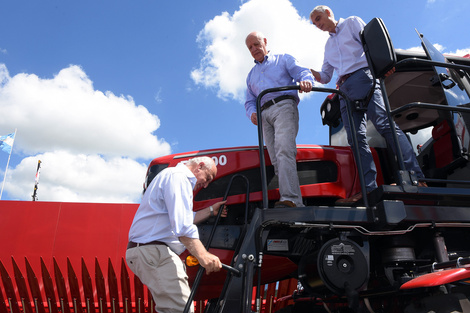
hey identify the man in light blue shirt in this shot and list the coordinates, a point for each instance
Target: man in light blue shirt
(278, 110)
(163, 227)
(345, 55)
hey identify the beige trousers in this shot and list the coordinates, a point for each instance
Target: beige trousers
(164, 274)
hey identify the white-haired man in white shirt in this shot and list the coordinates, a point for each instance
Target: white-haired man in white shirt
(163, 227)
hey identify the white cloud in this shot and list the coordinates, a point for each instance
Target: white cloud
(461, 52)
(227, 61)
(442, 49)
(66, 113)
(77, 178)
(158, 97)
(89, 139)
(413, 49)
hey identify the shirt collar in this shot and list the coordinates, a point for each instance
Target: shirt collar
(265, 58)
(192, 179)
(338, 26)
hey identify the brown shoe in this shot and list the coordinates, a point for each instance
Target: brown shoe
(422, 184)
(284, 204)
(350, 200)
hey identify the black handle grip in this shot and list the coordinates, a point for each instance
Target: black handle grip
(233, 270)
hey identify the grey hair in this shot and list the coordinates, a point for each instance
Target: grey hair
(322, 8)
(208, 162)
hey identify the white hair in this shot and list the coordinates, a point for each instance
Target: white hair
(322, 8)
(208, 162)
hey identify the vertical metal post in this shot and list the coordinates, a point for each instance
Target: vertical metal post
(262, 161)
(355, 149)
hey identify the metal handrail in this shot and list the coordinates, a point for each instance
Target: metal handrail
(231, 270)
(433, 63)
(355, 148)
(425, 105)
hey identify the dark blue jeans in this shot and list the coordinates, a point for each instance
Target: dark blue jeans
(356, 87)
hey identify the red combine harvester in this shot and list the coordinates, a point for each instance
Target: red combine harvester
(404, 248)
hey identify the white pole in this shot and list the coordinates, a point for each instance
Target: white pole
(8, 162)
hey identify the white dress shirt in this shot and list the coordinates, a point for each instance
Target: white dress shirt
(166, 210)
(343, 50)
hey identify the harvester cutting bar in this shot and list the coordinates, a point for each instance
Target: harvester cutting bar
(39, 292)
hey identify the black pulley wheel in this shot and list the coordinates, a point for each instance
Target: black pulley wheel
(342, 264)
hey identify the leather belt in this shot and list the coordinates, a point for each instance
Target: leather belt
(343, 78)
(132, 244)
(269, 103)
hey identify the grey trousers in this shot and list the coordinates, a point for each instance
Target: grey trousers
(280, 128)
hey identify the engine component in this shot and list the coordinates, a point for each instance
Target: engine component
(344, 265)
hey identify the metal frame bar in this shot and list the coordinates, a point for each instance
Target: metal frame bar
(355, 148)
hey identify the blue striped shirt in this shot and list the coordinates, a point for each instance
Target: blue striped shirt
(277, 70)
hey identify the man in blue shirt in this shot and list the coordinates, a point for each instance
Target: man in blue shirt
(345, 55)
(163, 227)
(278, 110)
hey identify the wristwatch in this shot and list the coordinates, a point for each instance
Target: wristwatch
(212, 210)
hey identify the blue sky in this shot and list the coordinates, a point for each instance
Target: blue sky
(96, 89)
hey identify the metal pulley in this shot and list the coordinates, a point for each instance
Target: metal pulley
(344, 265)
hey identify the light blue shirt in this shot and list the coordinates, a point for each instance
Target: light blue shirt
(277, 70)
(166, 210)
(343, 50)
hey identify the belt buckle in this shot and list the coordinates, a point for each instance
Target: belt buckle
(343, 78)
(267, 104)
(273, 101)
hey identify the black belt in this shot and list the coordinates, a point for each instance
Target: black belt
(269, 103)
(132, 244)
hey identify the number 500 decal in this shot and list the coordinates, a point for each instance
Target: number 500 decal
(221, 160)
